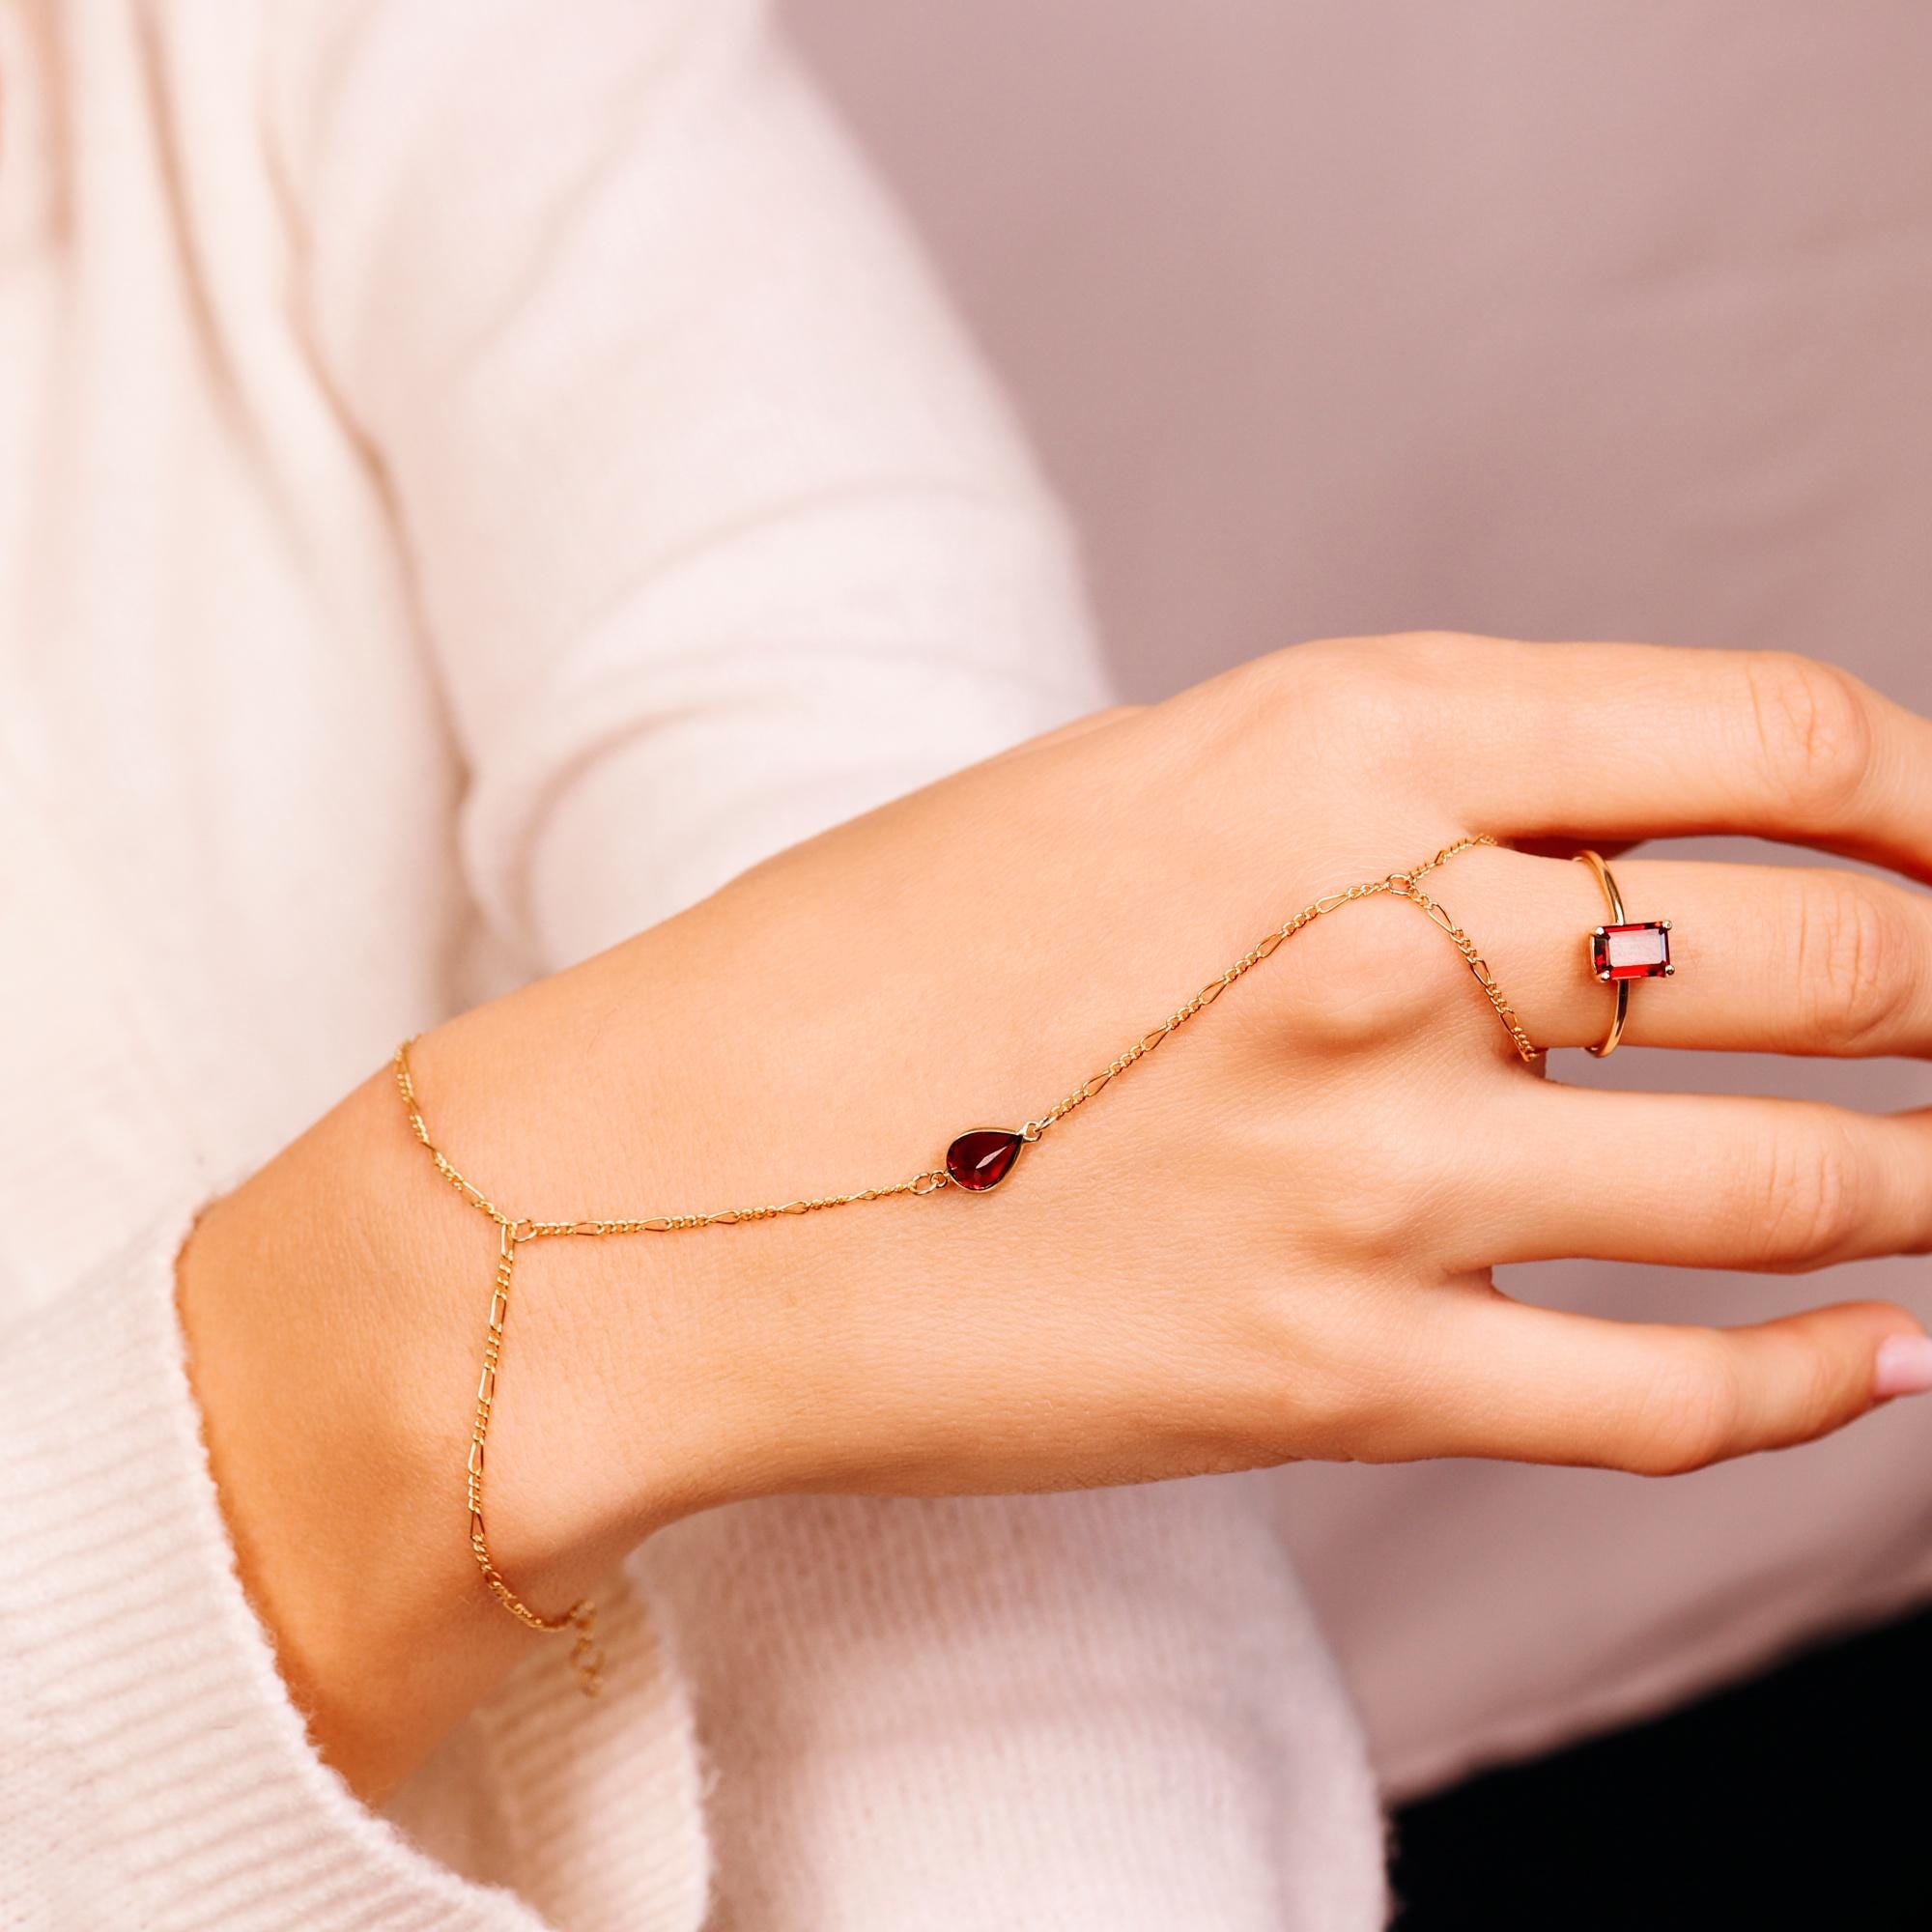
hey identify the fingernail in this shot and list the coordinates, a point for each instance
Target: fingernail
(1904, 1367)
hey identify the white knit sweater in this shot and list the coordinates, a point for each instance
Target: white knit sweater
(472, 478)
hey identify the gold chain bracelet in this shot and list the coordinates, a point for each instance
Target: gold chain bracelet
(976, 1162)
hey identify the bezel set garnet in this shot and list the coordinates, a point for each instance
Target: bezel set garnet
(982, 1157)
(1637, 950)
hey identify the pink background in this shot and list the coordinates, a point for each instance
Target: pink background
(1336, 316)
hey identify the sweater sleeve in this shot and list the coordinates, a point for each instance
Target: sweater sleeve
(155, 1774)
(719, 532)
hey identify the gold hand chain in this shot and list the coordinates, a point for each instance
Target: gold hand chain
(975, 1163)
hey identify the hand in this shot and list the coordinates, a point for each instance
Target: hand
(1270, 1239)
(1273, 1238)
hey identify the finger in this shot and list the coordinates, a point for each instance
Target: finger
(1644, 740)
(1535, 1386)
(1698, 1181)
(1765, 958)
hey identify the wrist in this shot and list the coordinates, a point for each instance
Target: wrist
(334, 1307)
(618, 1403)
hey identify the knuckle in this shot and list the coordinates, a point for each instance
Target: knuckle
(1707, 1410)
(1374, 979)
(1326, 689)
(1374, 690)
(1814, 729)
(1857, 962)
(1416, 670)
(1309, 699)
(1807, 1196)
(1694, 1412)
(1818, 1399)
(1435, 653)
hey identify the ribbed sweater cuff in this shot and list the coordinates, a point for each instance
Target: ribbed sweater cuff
(173, 1784)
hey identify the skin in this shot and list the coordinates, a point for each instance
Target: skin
(1272, 1240)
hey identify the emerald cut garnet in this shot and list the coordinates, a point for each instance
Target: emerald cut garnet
(1639, 952)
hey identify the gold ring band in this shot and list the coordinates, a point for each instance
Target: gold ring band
(1622, 950)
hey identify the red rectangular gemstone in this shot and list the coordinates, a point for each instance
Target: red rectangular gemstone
(1637, 951)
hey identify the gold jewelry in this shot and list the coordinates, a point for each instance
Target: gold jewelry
(1624, 950)
(1403, 885)
(976, 1162)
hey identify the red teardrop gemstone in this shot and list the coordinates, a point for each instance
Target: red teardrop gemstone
(983, 1158)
